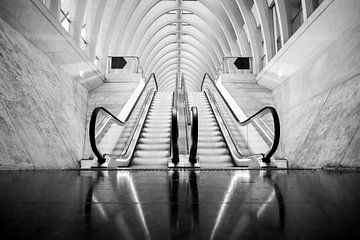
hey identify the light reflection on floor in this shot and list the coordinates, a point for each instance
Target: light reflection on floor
(238, 204)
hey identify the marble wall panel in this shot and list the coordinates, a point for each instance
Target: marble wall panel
(46, 106)
(320, 107)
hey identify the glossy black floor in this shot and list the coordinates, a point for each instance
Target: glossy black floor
(239, 204)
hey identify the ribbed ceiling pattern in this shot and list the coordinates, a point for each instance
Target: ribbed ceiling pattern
(184, 36)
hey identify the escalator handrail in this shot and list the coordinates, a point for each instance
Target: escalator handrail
(92, 125)
(174, 136)
(261, 112)
(194, 135)
(187, 109)
(100, 156)
(152, 76)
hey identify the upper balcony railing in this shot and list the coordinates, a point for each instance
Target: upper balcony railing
(235, 65)
(124, 64)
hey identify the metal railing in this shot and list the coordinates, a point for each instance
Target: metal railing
(230, 119)
(112, 137)
(132, 65)
(174, 136)
(227, 66)
(194, 135)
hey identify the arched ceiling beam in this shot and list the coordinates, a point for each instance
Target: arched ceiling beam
(185, 42)
(183, 63)
(281, 10)
(171, 84)
(154, 61)
(188, 77)
(163, 32)
(200, 26)
(205, 15)
(268, 35)
(175, 59)
(79, 19)
(191, 70)
(223, 19)
(125, 15)
(209, 8)
(107, 30)
(184, 55)
(233, 11)
(169, 37)
(94, 31)
(188, 49)
(254, 35)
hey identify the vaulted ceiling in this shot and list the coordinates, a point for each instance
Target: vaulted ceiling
(188, 36)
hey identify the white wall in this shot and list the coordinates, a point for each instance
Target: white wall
(42, 108)
(318, 96)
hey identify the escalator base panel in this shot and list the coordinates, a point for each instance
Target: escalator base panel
(184, 162)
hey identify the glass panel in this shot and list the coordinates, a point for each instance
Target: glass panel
(112, 137)
(253, 138)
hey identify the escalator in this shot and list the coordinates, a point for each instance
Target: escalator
(212, 149)
(153, 148)
(183, 129)
(144, 139)
(223, 139)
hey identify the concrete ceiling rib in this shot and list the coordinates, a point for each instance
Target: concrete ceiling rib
(254, 34)
(171, 39)
(192, 35)
(170, 42)
(163, 52)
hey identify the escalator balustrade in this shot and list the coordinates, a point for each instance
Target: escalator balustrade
(153, 148)
(212, 149)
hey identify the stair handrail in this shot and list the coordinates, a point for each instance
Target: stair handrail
(194, 135)
(174, 136)
(92, 125)
(152, 76)
(261, 112)
(187, 109)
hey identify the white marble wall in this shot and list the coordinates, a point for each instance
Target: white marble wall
(42, 110)
(320, 107)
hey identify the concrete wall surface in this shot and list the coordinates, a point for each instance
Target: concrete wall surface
(319, 106)
(34, 21)
(328, 22)
(42, 109)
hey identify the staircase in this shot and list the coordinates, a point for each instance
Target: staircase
(153, 147)
(212, 148)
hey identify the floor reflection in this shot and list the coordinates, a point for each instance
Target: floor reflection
(184, 204)
(260, 195)
(118, 204)
(249, 198)
(180, 204)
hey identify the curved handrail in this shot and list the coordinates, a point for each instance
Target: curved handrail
(261, 112)
(92, 136)
(93, 118)
(174, 136)
(194, 135)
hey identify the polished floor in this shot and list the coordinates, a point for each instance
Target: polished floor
(237, 204)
